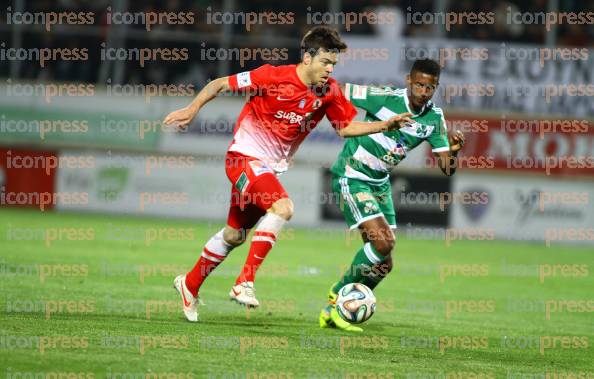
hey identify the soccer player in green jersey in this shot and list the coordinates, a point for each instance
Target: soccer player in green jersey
(360, 176)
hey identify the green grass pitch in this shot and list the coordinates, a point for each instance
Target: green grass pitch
(91, 296)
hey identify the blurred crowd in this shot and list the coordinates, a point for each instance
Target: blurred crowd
(205, 33)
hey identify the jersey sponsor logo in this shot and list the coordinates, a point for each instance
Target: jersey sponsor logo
(259, 168)
(244, 79)
(395, 155)
(291, 117)
(359, 92)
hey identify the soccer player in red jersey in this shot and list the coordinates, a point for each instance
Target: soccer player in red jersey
(285, 103)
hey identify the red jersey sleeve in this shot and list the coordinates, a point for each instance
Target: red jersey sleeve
(340, 111)
(251, 80)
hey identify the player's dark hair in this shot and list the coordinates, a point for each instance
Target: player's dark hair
(426, 66)
(321, 37)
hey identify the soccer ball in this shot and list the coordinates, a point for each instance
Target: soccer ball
(355, 303)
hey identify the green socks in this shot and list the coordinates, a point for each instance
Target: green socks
(361, 270)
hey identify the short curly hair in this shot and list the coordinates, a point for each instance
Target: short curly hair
(426, 66)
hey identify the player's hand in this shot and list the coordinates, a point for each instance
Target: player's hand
(399, 121)
(181, 117)
(456, 141)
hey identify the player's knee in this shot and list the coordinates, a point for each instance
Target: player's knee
(384, 246)
(283, 208)
(234, 237)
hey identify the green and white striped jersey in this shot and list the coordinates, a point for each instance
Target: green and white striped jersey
(370, 158)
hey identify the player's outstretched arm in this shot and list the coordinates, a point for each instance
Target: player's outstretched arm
(362, 128)
(448, 160)
(182, 117)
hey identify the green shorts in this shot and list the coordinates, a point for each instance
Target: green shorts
(361, 201)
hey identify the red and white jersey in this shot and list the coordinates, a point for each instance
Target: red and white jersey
(281, 111)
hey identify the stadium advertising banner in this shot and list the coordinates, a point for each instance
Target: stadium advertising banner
(171, 186)
(35, 115)
(27, 179)
(480, 76)
(531, 209)
(140, 184)
(548, 147)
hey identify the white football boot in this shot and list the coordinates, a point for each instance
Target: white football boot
(190, 303)
(244, 294)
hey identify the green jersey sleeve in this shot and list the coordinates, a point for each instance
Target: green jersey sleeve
(372, 99)
(438, 139)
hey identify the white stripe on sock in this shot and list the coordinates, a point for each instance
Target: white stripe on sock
(210, 257)
(370, 254)
(263, 239)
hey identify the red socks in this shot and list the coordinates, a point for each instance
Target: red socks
(215, 251)
(262, 241)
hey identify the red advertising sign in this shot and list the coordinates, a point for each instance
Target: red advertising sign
(27, 178)
(551, 147)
